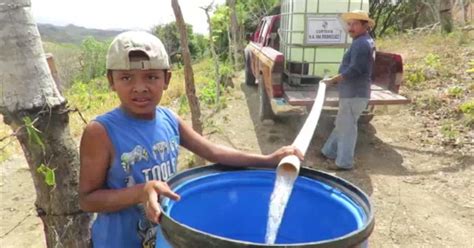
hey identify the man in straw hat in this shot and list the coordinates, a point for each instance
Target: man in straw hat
(353, 83)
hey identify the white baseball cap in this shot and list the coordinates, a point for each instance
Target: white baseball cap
(126, 42)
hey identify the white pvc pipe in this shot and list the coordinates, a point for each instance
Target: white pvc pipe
(292, 163)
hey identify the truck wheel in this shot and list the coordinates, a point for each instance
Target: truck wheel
(265, 110)
(249, 78)
(365, 119)
(367, 115)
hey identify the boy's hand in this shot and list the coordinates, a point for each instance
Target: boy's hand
(150, 200)
(284, 151)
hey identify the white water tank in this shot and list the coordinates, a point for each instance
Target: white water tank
(313, 37)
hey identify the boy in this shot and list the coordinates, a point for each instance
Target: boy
(128, 153)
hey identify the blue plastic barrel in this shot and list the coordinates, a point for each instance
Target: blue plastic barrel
(226, 207)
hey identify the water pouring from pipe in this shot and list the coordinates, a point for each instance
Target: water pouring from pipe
(289, 167)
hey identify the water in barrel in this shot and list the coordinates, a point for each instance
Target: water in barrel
(281, 193)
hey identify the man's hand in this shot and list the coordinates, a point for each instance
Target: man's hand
(333, 80)
(151, 191)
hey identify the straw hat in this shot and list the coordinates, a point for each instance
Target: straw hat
(358, 15)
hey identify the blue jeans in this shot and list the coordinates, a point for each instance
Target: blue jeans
(342, 141)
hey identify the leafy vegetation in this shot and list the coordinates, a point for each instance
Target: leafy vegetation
(467, 108)
(48, 173)
(248, 13)
(438, 81)
(92, 59)
(34, 138)
(455, 92)
(33, 133)
(418, 73)
(169, 35)
(8, 144)
(471, 65)
(65, 54)
(449, 131)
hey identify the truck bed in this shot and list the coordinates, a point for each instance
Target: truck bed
(379, 96)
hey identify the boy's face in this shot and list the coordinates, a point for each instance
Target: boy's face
(139, 90)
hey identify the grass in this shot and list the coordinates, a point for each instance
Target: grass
(438, 79)
(9, 145)
(203, 73)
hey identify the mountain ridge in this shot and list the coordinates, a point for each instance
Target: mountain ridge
(73, 34)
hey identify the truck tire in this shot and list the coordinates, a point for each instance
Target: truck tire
(265, 109)
(365, 118)
(249, 77)
(367, 115)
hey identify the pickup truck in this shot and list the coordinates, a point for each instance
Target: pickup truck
(286, 88)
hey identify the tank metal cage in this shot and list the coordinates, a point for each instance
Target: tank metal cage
(313, 38)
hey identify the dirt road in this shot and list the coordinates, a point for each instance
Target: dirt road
(423, 196)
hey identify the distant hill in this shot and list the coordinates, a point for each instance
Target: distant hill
(72, 33)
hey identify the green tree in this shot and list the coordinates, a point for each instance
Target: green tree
(219, 22)
(249, 13)
(169, 35)
(200, 44)
(92, 58)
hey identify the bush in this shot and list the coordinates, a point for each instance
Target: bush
(432, 60)
(455, 92)
(183, 105)
(414, 76)
(92, 60)
(66, 58)
(90, 99)
(430, 103)
(417, 74)
(471, 65)
(449, 131)
(207, 94)
(467, 108)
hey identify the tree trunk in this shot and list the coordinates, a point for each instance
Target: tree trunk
(188, 73)
(214, 57)
(461, 9)
(30, 92)
(235, 34)
(445, 14)
(231, 46)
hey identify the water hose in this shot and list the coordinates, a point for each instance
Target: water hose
(292, 162)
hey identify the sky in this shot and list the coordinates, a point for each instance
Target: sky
(119, 14)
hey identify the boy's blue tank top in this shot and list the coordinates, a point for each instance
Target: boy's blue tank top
(143, 150)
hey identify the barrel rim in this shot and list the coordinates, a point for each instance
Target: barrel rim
(353, 192)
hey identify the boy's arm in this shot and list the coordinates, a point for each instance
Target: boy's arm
(196, 143)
